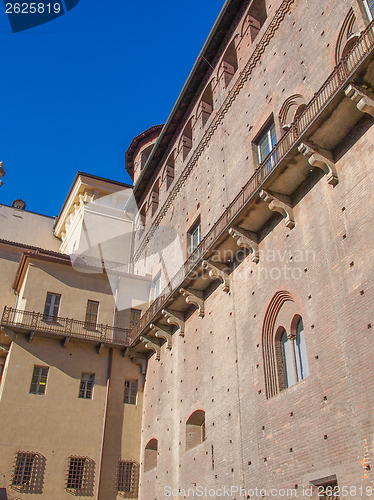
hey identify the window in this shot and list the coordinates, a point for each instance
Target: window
(92, 312)
(326, 487)
(369, 7)
(265, 143)
(229, 64)
(154, 199)
(39, 380)
(75, 473)
(195, 429)
(52, 304)
(157, 286)
(134, 317)
(185, 142)
(194, 237)
(294, 357)
(150, 455)
(86, 386)
(169, 170)
(128, 478)
(145, 154)
(23, 469)
(131, 392)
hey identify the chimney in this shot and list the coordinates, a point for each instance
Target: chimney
(19, 204)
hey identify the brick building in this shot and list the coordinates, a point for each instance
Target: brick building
(260, 345)
(249, 372)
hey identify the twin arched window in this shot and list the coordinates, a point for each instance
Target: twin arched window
(294, 357)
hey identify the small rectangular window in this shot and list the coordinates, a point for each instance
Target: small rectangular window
(326, 488)
(134, 317)
(51, 307)
(194, 237)
(86, 385)
(23, 469)
(76, 473)
(266, 143)
(39, 380)
(128, 477)
(92, 312)
(131, 391)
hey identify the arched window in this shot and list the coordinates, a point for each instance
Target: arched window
(294, 357)
(229, 64)
(150, 455)
(145, 154)
(154, 198)
(195, 429)
(185, 143)
(283, 344)
(205, 108)
(169, 170)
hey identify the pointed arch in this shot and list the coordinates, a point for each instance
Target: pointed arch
(268, 347)
(291, 107)
(348, 34)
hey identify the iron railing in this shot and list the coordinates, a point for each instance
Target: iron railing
(34, 321)
(334, 83)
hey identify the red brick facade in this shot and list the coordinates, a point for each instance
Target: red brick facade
(315, 255)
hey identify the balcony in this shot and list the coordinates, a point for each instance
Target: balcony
(15, 321)
(334, 110)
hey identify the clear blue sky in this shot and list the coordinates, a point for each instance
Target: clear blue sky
(78, 89)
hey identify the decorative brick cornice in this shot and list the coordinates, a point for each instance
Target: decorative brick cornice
(218, 118)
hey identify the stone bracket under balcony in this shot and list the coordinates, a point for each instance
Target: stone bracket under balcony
(363, 99)
(174, 318)
(141, 361)
(162, 332)
(194, 297)
(246, 239)
(320, 159)
(4, 349)
(216, 271)
(149, 344)
(279, 203)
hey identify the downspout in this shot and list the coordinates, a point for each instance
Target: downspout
(16, 304)
(110, 358)
(109, 372)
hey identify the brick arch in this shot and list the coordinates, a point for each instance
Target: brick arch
(347, 36)
(268, 346)
(290, 109)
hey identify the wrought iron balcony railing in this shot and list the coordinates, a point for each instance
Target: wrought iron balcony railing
(332, 86)
(65, 327)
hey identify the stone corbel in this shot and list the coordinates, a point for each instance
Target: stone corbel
(99, 348)
(9, 333)
(162, 333)
(216, 272)
(194, 297)
(363, 100)
(65, 341)
(281, 204)
(323, 161)
(151, 345)
(141, 362)
(4, 349)
(246, 239)
(30, 337)
(174, 318)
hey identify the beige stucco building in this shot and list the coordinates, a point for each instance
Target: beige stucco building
(70, 393)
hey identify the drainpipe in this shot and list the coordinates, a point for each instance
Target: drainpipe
(16, 304)
(109, 371)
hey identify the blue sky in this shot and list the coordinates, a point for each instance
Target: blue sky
(78, 89)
